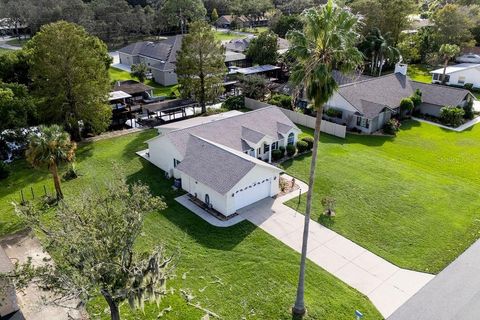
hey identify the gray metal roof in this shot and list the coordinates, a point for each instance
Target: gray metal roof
(212, 165)
(229, 131)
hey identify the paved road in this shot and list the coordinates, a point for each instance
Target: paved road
(4, 45)
(454, 294)
(385, 284)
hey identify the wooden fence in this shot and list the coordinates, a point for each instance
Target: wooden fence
(328, 127)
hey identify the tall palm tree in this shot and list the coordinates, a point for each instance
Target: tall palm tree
(50, 147)
(447, 52)
(379, 48)
(327, 41)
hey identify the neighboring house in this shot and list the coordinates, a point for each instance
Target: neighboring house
(160, 57)
(459, 75)
(241, 45)
(367, 105)
(226, 22)
(225, 162)
(135, 89)
(9, 308)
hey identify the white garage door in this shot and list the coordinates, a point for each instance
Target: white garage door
(250, 195)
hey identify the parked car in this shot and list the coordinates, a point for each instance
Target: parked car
(469, 58)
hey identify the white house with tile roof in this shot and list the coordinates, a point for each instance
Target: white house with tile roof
(225, 162)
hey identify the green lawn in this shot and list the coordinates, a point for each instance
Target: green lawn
(257, 272)
(117, 74)
(222, 36)
(420, 73)
(413, 199)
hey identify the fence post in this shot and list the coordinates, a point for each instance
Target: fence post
(33, 194)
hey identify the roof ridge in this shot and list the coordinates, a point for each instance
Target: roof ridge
(440, 85)
(222, 119)
(371, 79)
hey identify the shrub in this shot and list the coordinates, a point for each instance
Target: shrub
(416, 98)
(334, 113)
(291, 150)
(309, 141)
(4, 171)
(234, 103)
(468, 86)
(451, 115)
(277, 155)
(469, 112)
(406, 105)
(391, 127)
(282, 150)
(302, 146)
(281, 100)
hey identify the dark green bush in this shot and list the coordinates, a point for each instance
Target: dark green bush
(4, 171)
(391, 127)
(282, 150)
(277, 155)
(469, 112)
(302, 146)
(451, 115)
(468, 86)
(281, 100)
(234, 103)
(291, 150)
(309, 140)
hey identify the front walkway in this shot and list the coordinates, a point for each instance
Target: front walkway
(385, 284)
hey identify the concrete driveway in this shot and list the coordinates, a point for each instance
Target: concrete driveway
(385, 284)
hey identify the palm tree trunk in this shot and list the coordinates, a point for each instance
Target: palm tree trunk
(381, 66)
(114, 311)
(56, 180)
(444, 70)
(299, 307)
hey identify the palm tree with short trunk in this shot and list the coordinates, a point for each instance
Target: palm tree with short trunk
(447, 52)
(327, 41)
(51, 147)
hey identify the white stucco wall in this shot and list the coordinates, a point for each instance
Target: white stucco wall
(162, 152)
(472, 75)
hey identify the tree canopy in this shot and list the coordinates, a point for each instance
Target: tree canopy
(69, 71)
(93, 239)
(17, 107)
(263, 49)
(200, 64)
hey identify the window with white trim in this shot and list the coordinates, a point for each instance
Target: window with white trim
(275, 145)
(363, 122)
(291, 138)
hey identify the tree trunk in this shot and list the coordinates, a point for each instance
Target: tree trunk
(202, 94)
(444, 70)
(381, 66)
(114, 311)
(56, 180)
(299, 307)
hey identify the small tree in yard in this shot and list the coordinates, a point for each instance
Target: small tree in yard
(49, 148)
(93, 238)
(140, 71)
(469, 112)
(254, 86)
(214, 15)
(200, 65)
(263, 49)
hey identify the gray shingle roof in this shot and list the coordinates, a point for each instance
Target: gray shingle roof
(343, 79)
(228, 132)
(251, 135)
(164, 50)
(370, 96)
(440, 95)
(214, 166)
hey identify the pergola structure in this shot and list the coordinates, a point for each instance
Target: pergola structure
(170, 110)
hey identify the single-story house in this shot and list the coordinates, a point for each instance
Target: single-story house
(459, 75)
(225, 163)
(226, 21)
(161, 58)
(368, 104)
(241, 45)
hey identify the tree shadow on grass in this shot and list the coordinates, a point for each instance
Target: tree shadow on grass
(138, 143)
(194, 226)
